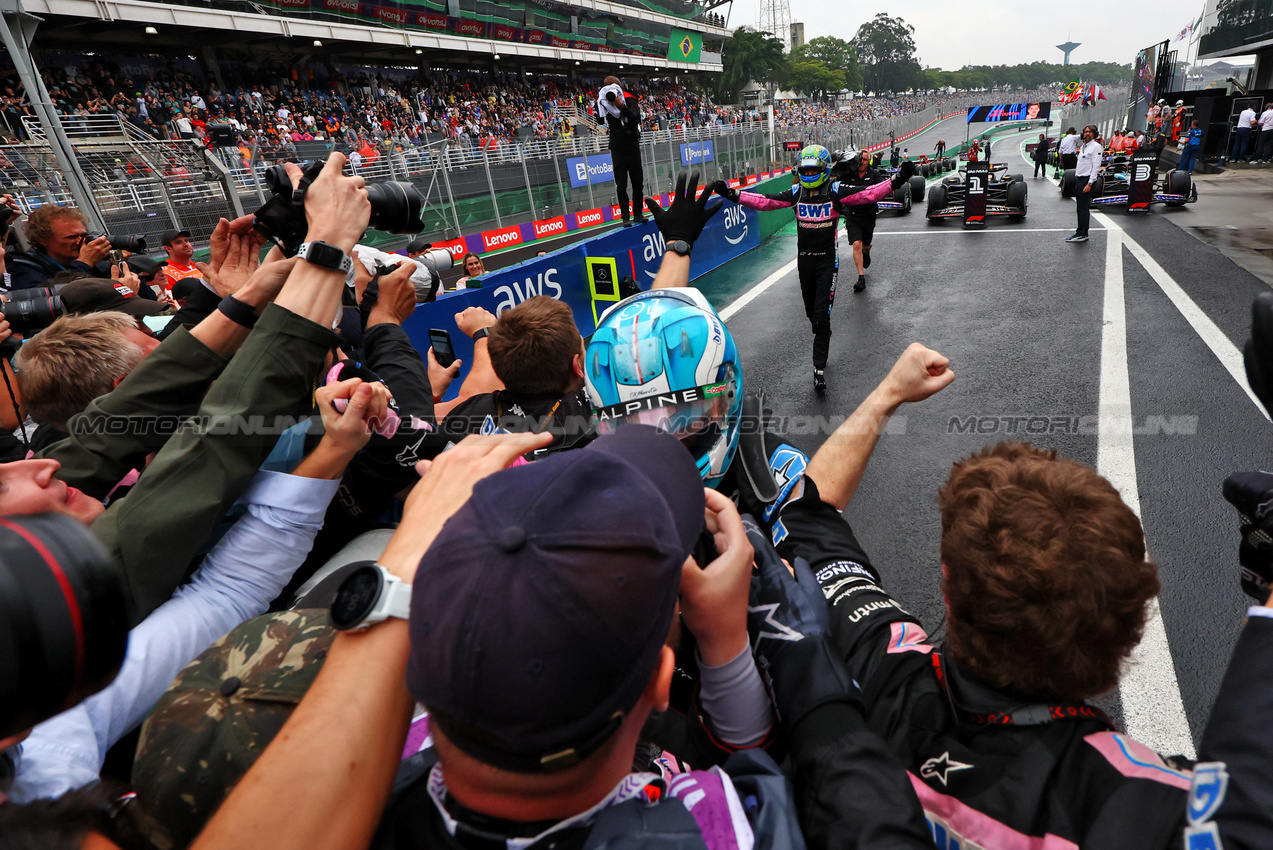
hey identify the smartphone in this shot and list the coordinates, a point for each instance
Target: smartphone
(117, 257)
(443, 352)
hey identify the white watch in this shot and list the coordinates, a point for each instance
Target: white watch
(325, 256)
(370, 594)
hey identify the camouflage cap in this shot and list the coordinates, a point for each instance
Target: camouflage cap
(221, 713)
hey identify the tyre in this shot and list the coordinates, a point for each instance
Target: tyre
(1018, 192)
(1067, 183)
(950, 165)
(1098, 188)
(1179, 183)
(936, 200)
(923, 169)
(902, 195)
(1013, 178)
(918, 185)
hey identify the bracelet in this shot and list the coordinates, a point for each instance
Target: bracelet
(238, 312)
(481, 333)
(437, 399)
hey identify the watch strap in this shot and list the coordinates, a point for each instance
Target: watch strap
(345, 265)
(397, 599)
(681, 247)
(481, 333)
(238, 312)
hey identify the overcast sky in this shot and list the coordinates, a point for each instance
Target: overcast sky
(993, 32)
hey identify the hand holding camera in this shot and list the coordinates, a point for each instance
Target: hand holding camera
(94, 250)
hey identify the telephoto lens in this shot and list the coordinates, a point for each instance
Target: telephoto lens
(396, 207)
(63, 623)
(28, 315)
(438, 259)
(133, 243)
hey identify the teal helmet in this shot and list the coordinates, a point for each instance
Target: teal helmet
(664, 358)
(814, 168)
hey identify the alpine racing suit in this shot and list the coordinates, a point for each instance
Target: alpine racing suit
(990, 769)
(817, 216)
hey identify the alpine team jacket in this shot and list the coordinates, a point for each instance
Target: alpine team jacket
(990, 769)
(818, 211)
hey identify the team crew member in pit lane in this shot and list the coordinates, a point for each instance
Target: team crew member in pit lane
(818, 201)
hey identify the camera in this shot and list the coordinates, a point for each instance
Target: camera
(396, 207)
(133, 243)
(64, 626)
(30, 310)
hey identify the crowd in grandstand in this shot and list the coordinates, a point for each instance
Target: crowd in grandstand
(805, 114)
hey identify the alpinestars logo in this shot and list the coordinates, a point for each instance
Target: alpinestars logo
(941, 767)
(779, 631)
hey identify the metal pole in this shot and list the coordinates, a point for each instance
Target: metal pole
(529, 192)
(587, 178)
(446, 178)
(22, 25)
(561, 189)
(486, 163)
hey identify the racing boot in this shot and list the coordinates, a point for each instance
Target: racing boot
(819, 381)
(861, 284)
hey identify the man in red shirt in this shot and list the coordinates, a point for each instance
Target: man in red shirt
(180, 251)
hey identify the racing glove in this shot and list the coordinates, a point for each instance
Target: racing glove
(904, 173)
(1252, 494)
(725, 191)
(790, 630)
(686, 216)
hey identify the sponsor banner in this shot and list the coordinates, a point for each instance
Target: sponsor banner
(694, 153)
(587, 218)
(792, 146)
(752, 180)
(393, 15)
(503, 238)
(456, 247)
(536, 37)
(1009, 112)
(1144, 167)
(554, 41)
(977, 176)
(734, 184)
(431, 20)
(505, 32)
(613, 213)
(593, 169)
(350, 7)
(549, 227)
(765, 175)
(684, 46)
(473, 29)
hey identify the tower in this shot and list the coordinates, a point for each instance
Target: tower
(1066, 48)
(775, 19)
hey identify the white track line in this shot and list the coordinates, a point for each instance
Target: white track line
(1009, 229)
(1153, 709)
(756, 291)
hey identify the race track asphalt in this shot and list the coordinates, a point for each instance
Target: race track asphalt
(1022, 315)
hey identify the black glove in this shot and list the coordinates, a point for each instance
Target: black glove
(904, 173)
(1252, 494)
(727, 192)
(686, 216)
(790, 630)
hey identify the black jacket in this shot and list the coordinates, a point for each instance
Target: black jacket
(625, 131)
(32, 269)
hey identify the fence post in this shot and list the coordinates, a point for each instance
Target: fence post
(486, 163)
(446, 178)
(530, 193)
(587, 178)
(561, 189)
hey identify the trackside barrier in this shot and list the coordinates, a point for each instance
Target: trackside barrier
(565, 274)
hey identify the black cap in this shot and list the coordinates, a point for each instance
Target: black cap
(186, 287)
(95, 295)
(419, 244)
(550, 595)
(170, 235)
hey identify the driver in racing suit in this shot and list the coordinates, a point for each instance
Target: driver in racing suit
(819, 201)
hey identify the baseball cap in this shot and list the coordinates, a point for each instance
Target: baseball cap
(186, 287)
(546, 599)
(96, 295)
(170, 235)
(220, 714)
(418, 244)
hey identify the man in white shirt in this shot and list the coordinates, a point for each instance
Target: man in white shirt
(1087, 169)
(1068, 149)
(1242, 135)
(1264, 151)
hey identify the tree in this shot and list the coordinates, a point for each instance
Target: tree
(836, 53)
(886, 48)
(813, 78)
(749, 55)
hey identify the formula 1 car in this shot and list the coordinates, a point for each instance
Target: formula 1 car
(936, 166)
(1005, 194)
(904, 196)
(1133, 182)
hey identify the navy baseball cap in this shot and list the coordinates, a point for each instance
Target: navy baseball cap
(543, 605)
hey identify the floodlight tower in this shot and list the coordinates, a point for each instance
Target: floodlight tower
(1067, 49)
(775, 18)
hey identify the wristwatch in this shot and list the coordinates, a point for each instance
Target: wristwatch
(481, 333)
(681, 247)
(325, 256)
(370, 594)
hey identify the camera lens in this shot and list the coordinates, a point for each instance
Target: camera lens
(135, 244)
(277, 180)
(33, 314)
(396, 207)
(439, 259)
(63, 623)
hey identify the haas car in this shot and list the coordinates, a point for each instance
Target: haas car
(903, 197)
(979, 191)
(1133, 182)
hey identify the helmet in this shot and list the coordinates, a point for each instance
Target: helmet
(1180, 103)
(664, 358)
(1162, 102)
(814, 167)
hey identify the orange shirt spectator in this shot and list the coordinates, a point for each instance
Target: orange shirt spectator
(180, 252)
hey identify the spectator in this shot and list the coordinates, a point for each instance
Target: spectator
(1086, 173)
(59, 240)
(1192, 145)
(622, 115)
(473, 267)
(1041, 155)
(180, 253)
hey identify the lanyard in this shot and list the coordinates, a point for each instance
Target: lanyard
(1033, 714)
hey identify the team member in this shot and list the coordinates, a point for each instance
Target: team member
(180, 251)
(1089, 166)
(1242, 135)
(621, 113)
(1068, 149)
(941, 148)
(1041, 155)
(818, 201)
(1264, 148)
(1189, 150)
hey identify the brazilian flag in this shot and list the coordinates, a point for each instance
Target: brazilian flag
(684, 46)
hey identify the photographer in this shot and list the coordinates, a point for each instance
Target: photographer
(620, 112)
(59, 239)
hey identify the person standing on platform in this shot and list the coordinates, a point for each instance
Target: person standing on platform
(623, 116)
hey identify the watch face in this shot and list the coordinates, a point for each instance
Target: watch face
(327, 256)
(356, 597)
